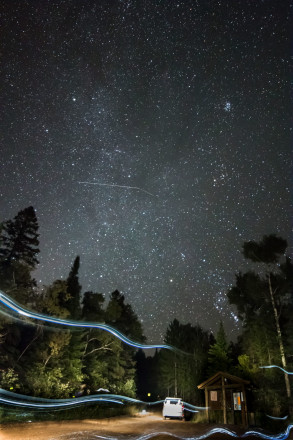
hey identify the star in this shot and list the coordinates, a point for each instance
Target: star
(120, 128)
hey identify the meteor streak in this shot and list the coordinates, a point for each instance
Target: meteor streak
(118, 186)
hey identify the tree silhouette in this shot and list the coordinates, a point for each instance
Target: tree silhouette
(264, 297)
(74, 289)
(19, 239)
(218, 359)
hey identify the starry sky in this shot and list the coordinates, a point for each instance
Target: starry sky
(153, 137)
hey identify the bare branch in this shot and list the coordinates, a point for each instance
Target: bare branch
(98, 349)
(38, 332)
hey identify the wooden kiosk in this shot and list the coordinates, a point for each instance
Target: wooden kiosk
(226, 393)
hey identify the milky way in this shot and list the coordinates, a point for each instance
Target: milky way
(153, 139)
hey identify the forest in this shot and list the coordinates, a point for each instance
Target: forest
(42, 360)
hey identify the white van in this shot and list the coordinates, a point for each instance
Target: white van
(173, 407)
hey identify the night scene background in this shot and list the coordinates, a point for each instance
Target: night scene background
(152, 138)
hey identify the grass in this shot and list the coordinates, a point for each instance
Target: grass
(14, 415)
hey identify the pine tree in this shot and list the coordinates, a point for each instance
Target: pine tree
(179, 374)
(74, 289)
(18, 257)
(72, 360)
(19, 239)
(92, 307)
(218, 359)
(55, 299)
(121, 316)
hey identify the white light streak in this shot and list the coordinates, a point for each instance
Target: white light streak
(118, 186)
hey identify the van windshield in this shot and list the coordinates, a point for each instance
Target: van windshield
(173, 401)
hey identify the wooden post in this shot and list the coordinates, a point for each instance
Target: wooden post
(232, 406)
(224, 401)
(244, 408)
(206, 393)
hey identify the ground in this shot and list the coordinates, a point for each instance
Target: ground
(141, 426)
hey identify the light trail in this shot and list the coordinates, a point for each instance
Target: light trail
(277, 418)
(21, 400)
(118, 186)
(55, 404)
(193, 408)
(37, 403)
(10, 304)
(277, 366)
(282, 436)
(225, 431)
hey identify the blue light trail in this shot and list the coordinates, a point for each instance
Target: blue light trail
(277, 418)
(20, 400)
(277, 366)
(282, 436)
(10, 304)
(224, 431)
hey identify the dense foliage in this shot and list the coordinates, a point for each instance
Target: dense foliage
(264, 303)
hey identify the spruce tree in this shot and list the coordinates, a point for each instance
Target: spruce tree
(92, 307)
(121, 316)
(19, 239)
(74, 289)
(74, 351)
(218, 359)
(18, 257)
(179, 373)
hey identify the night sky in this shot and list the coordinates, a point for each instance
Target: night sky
(153, 138)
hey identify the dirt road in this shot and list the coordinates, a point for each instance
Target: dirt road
(124, 428)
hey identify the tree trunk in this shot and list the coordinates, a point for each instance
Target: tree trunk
(175, 379)
(280, 339)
